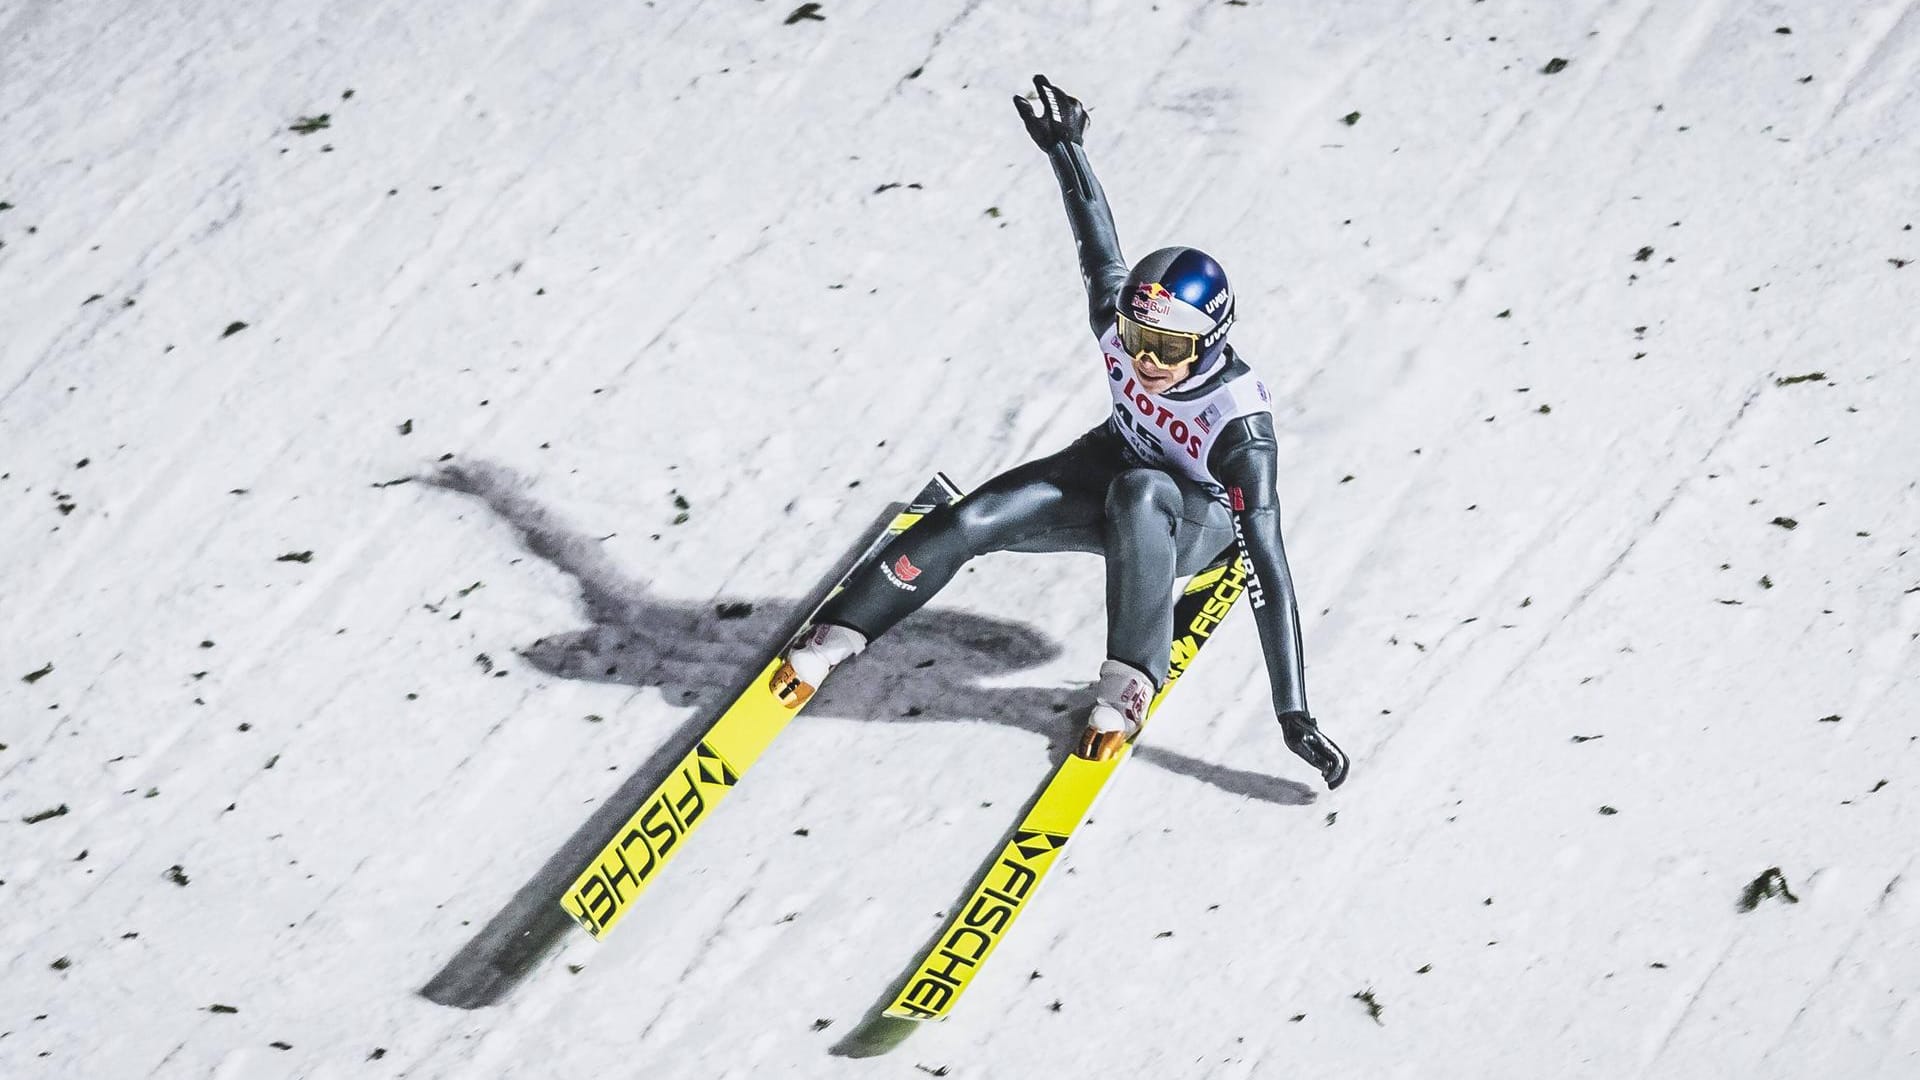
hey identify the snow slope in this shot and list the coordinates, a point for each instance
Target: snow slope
(1612, 601)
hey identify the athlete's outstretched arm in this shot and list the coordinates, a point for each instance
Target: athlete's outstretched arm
(1244, 460)
(1057, 125)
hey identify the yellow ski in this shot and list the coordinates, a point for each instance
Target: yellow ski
(977, 926)
(606, 889)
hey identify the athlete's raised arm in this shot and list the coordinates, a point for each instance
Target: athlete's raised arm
(1057, 123)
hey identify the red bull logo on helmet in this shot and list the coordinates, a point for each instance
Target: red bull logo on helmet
(1152, 301)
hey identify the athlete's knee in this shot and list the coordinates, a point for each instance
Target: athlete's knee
(1138, 494)
(981, 521)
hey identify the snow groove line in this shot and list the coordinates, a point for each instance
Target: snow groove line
(933, 47)
(479, 746)
(1889, 681)
(60, 75)
(780, 214)
(1845, 951)
(701, 952)
(344, 880)
(1699, 27)
(1693, 999)
(706, 285)
(1640, 534)
(83, 325)
(169, 1056)
(1862, 63)
(1171, 215)
(1554, 134)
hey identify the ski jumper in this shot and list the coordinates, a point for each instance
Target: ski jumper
(1161, 487)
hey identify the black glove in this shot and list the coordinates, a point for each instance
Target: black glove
(1305, 739)
(1059, 118)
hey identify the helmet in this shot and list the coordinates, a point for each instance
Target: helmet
(1176, 306)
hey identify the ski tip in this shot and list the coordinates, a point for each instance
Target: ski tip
(875, 1037)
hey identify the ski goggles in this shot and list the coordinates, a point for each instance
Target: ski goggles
(1163, 349)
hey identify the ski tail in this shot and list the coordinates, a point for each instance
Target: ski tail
(606, 889)
(939, 492)
(1002, 892)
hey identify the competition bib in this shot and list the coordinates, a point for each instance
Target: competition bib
(1177, 435)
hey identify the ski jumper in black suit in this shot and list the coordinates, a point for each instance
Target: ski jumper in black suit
(1101, 494)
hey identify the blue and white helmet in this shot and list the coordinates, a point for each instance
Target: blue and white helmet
(1178, 300)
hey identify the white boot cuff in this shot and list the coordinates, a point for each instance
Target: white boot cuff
(824, 648)
(1126, 690)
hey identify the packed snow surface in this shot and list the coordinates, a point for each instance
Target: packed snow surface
(392, 395)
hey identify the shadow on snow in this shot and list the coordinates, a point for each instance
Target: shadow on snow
(929, 668)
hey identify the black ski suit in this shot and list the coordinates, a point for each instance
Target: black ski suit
(1098, 496)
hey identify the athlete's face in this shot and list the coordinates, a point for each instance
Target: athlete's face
(1154, 379)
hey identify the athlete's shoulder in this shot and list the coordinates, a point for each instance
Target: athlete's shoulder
(1250, 392)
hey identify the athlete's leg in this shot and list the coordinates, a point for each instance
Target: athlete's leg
(1158, 525)
(1205, 529)
(1053, 503)
(1142, 516)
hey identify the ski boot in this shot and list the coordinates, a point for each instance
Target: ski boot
(808, 662)
(1119, 708)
